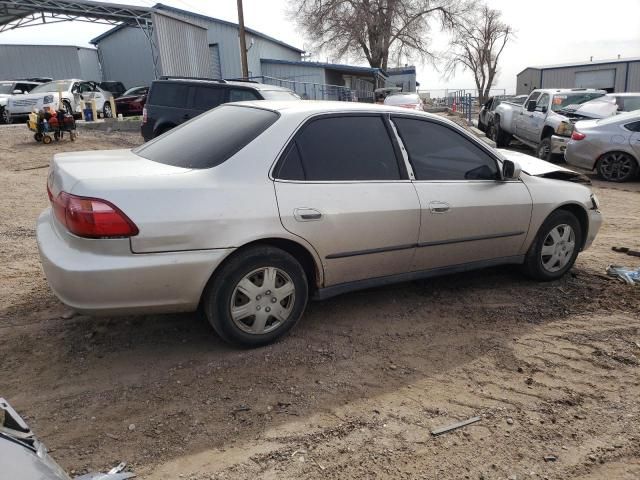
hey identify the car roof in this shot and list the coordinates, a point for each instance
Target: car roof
(624, 94)
(238, 83)
(570, 90)
(312, 107)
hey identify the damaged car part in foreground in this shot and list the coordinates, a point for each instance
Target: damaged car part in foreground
(252, 208)
(24, 457)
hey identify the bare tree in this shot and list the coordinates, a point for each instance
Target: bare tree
(476, 46)
(376, 30)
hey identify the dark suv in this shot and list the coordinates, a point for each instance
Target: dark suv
(172, 101)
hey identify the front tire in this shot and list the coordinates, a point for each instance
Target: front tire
(544, 149)
(256, 297)
(555, 248)
(617, 167)
(6, 116)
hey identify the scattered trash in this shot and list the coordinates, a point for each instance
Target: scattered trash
(627, 250)
(440, 431)
(116, 473)
(132, 427)
(627, 275)
(550, 458)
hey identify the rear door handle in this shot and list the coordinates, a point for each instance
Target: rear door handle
(439, 207)
(306, 214)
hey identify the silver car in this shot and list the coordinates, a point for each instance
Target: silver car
(252, 208)
(610, 145)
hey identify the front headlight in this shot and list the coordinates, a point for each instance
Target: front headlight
(595, 202)
(565, 129)
(47, 99)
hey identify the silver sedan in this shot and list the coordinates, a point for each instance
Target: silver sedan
(252, 208)
(610, 145)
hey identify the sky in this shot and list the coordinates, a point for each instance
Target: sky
(548, 32)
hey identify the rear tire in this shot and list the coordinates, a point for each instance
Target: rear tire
(256, 296)
(617, 167)
(555, 248)
(502, 138)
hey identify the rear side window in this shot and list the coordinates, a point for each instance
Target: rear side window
(633, 126)
(169, 94)
(342, 148)
(206, 98)
(438, 152)
(209, 139)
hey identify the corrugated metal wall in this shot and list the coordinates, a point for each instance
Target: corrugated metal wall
(566, 77)
(183, 46)
(528, 80)
(263, 48)
(228, 47)
(298, 73)
(633, 80)
(89, 65)
(125, 56)
(55, 61)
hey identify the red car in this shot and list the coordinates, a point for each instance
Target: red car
(132, 101)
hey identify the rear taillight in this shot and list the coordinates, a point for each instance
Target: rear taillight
(144, 115)
(91, 217)
(576, 135)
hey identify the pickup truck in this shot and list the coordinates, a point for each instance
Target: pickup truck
(540, 122)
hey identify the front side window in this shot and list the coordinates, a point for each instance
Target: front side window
(349, 148)
(438, 152)
(543, 102)
(209, 139)
(206, 98)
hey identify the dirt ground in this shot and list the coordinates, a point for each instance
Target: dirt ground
(354, 391)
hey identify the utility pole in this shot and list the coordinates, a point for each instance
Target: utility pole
(243, 42)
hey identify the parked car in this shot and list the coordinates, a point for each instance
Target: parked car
(116, 88)
(24, 457)
(405, 100)
(73, 92)
(610, 145)
(252, 208)
(605, 106)
(485, 117)
(9, 88)
(172, 101)
(132, 101)
(538, 123)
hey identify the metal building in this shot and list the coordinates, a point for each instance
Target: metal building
(55, 61)
(323, 81)
(184, 40)
(619, 75)
(404, 77)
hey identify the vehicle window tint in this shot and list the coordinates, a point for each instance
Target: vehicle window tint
(542, 102)
(347, 148)
(290, 167)
(239, 95)
(438, 152)
(633, 126)
(209, 139)
(206, 98)
(534, 96)
(169, 94)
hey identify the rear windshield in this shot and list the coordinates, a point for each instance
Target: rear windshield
(209, 139)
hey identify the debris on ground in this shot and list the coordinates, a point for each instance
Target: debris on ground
(454, 426)
(627, 275)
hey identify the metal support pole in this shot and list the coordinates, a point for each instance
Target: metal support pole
(243, 41)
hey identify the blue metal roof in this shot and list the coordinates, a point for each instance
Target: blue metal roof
(333, 66)
(160, 6)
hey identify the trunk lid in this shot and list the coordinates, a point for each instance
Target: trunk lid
(68, 171)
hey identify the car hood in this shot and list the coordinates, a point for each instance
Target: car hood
(540, 168)
(595, 109)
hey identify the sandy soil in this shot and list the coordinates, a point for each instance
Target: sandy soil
(551, 369)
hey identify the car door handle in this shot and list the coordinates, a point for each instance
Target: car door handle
(306, 214)
(439, 207)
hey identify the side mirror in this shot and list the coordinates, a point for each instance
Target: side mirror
(543, 109)
(531, 106)
(18, 92)
(511, 170)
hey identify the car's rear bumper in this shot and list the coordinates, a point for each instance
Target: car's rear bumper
(105, 277)
(580, 154)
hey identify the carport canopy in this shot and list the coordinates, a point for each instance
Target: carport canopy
(25, 13)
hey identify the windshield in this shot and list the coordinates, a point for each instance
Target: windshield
(279, 95)
(402, 99)
(563, 100)
(621, 118)
(6, 88)
(628, 104)
(209, 139)
(53, 87)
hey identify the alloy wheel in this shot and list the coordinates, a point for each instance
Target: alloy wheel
(558, 247)
(6, 116)
(543, 151)
(616, 166)
(262, 301)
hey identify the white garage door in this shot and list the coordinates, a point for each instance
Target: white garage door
(596, 79)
